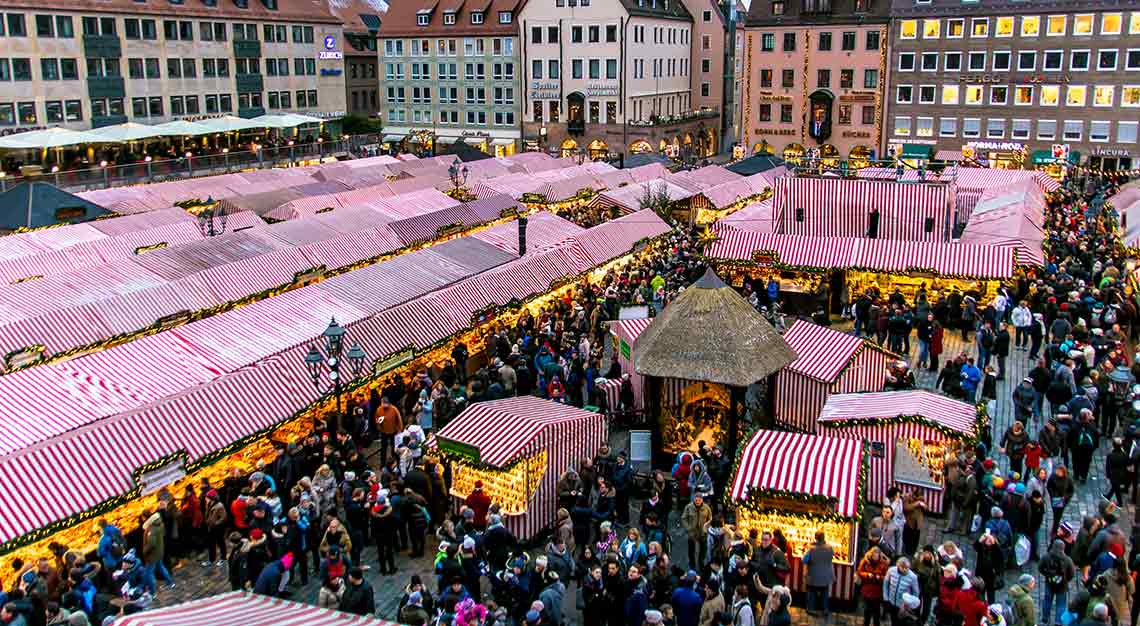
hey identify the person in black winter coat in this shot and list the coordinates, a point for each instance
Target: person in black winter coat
(358, 597)
(1116, 467)
(384, 527)
(498, 543)
(1001, 349)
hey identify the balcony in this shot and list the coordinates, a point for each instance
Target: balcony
(250, 83)
(247, 49)
(251, 112)
(107, 120)
(681, 118)
(105, 87)
(102, 46)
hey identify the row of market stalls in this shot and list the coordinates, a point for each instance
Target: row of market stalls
(243, 608)
(173, 407)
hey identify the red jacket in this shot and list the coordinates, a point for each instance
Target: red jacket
(479, 502)
(871, 575)
(971, 607)
(237, 508)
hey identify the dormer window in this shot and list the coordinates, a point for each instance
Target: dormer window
(476, 17)
(449, 17)
(241, 4)
(504, 17)
(270, 4)
(423, 18)
(210, 3)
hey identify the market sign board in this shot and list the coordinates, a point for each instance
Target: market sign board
(466, 451)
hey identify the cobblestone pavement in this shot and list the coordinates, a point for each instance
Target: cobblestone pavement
(195, 581)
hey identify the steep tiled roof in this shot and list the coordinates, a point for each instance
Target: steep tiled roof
(662, 9)
(305, 11)
(400, 20)
(357, 15)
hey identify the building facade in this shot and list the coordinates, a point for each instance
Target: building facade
(812, 75)
(1005, 81)
(361, 20)
(96, 64)
(616, 77)
(450, 71)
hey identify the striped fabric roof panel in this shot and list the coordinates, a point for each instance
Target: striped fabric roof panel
(630, 329)
(63, 236)
(425, 226)
(616, 237)
(55, 330)
(243, 277)
(49, 263)
(347, 248)
(802, 464)
(756, 217)
(300, 232)
(212, 252)
(481, 426)
(352, 219)
(543, 230)
(130, 312)
(821, 353)
(884, 405)
(78, 287)
(241, 608)
(114, 226)
(469, 255)
(490, 207)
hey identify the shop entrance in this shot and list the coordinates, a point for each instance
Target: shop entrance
(701, 415)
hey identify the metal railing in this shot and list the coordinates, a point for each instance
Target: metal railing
(160, 170)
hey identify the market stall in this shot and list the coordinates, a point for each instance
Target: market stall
(243, 608)
(518, 447)
(908, 434)
(801, 484)
(827, 362)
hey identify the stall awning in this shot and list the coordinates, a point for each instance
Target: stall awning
(495, 433)
(822, 353)
(949, 155)
(392, 138)
(783, 462)
(502, 142)
(915, 151)
(241, 608)
(931, 408)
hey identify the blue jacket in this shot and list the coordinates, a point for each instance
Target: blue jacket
(635, 605)
(971, 376)
(105, 551)
(84, 594)
(687, 606)
(269, 581)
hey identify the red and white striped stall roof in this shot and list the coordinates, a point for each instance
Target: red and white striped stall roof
(816, 252)
(630, 329)
(242, 608)
(756, 218)
(936, 409)
(822, 353)
(804, 465)
(614, 238)
(703, 177)
(839, 207)
(543, 230)
(482, 426)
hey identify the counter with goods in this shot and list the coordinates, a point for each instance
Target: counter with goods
(909, 434)
(518, 447)
(801, 484)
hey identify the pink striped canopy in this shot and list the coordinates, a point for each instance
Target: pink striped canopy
(243, 608)
(481, 426)
(840, 207)
(935, 409)
(544, 229)
(821, 352)
(802, 465)
(756, 217)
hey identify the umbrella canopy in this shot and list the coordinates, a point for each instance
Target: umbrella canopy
(229, 123)
(304, 119)
(182, 128)
(128, 131)
(710, 333)
(49, 138)
(276, 121)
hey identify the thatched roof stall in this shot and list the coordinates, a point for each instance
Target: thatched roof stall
(709, 334)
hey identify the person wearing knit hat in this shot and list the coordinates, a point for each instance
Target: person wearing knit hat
(654, 617)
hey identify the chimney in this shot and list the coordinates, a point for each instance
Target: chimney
(522, 235)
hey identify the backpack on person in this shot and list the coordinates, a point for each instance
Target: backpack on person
(1085, 439)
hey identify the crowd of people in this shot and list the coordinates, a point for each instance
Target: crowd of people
(369, 481)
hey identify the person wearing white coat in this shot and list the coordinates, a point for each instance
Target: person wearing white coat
(1022, 319)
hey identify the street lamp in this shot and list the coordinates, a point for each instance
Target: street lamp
(458, 174)
(315, 361)
(212, 219)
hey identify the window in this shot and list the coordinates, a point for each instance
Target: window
(1004, 26)
(1026, 61)
(476, 17)
(45, 27)
(927, 94)
(873, 40)
(1050, 95)
(595, 66)
(788, 78)
(704, 90)
(823, 78)
(949, 94)
(1002, 60)
(1056, 25)
(49, 68)
(868, 114)
(973, 94)
(947, 126)
(971, 127)
(1075, 95)
(908, 29)
(1106, 60)
(152, 68)
(870, 79)
(906, 61)
(1047, 129)
(980, 27)
(1082, 26)
(999, 94)
(902, 126)
(924, 127)
(1053, 60)
(1126, 132)
(952, 62)
(778, 7)
(977, 61)
(505, 17)
(576, 68)
(1030, 26)
(785, 113)
(611, 33)
(904, 94)
(1079, 60)
(135, 67)
(449, 18)
(1022, 95)
(1020, 129)
(1074, 129)
(1104, 96)
(846, 78)
(706, 16)
(1130, 96)
(789, 42)
(931, 28)
(593, 34)
(929, 61)
(17, 28)
(765, 78)
(955, 28)
(1132, 59)
(824, 40)
(995, 129)
(1099, 131)
(611, 68)
(706, 66)
(422, 19)
(767, 42)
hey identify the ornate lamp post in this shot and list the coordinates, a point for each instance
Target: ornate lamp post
(212, 219)
(316, 362)
(457, 171)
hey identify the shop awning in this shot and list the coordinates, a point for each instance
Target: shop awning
(240, 608)
(392, 138)
(919, 405)
(915, 151)
(480, 428)
(447, 141)
(502, 142)
(949, 155)
(802, 465)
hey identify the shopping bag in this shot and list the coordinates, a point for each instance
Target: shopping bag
(1021, 550)
(976, 524)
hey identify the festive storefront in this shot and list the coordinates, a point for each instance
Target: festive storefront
(828, 362)
(801, 484)
(909, 435)
(518, 448)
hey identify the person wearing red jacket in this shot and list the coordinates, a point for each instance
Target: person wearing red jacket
(479, 502)
(872, 570)
(972, 603)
